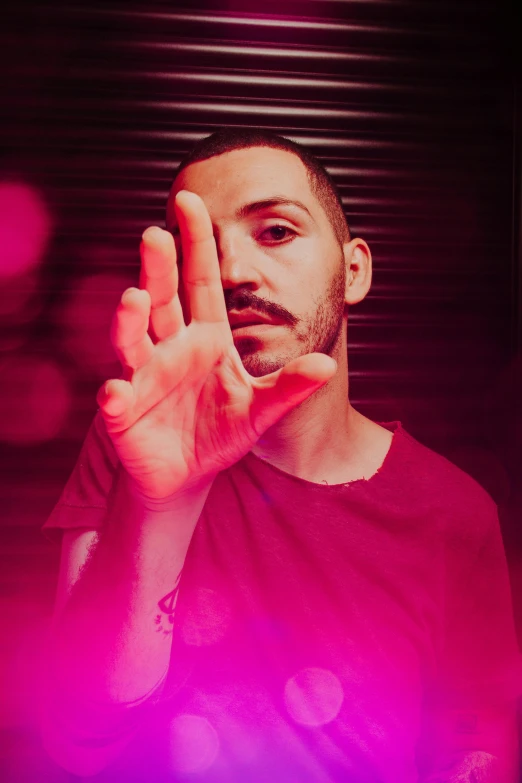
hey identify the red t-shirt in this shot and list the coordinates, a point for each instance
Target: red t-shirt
(319, 627)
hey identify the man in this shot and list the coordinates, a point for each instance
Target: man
(257, 582)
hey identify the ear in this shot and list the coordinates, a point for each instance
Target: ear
(358, 260)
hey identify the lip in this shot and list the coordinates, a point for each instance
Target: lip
(248, 319)
(258, 327)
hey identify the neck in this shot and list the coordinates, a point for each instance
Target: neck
(324, 439)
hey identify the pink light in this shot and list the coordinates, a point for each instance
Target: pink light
(21, 302)
(25, 228)
(227, 708)
(209, 619)
(313, 696)
(35, 400)
(194, 744)
(86, 318)
(20, 298)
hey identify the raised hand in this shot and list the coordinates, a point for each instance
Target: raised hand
(186, 408)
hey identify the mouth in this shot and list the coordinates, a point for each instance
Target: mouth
(245, 319)
(258, 326)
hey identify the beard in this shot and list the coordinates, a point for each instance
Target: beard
(319, 332)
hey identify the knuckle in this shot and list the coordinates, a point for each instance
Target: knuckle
(198, 282)
(161, 301)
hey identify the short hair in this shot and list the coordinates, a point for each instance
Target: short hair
(321, 183)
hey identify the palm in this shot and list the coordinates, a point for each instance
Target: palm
(200, 426)
(189, 408)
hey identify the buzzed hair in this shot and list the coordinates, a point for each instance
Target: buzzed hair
(321, 183)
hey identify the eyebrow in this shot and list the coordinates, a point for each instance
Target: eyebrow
(275, 201)
(259, 206)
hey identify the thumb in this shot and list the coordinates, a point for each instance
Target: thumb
(283, 390)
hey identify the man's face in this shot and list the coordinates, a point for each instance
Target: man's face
(278, 254)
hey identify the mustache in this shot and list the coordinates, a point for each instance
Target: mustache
(238, 299)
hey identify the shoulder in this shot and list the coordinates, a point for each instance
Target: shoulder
(83, 501)
(433, 481)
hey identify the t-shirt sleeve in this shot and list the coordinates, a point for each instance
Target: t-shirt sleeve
(480, 664)
(83, 502)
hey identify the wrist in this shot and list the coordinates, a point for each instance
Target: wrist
(186, 497)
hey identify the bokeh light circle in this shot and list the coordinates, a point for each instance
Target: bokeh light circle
(313, 696)
(194, 744)
(85, 321)
(35, 399)
(25, 228)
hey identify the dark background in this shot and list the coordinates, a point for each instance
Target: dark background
(414, 107)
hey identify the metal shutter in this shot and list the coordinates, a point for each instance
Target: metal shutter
(410, 105)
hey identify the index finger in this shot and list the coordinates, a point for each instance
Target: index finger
(200, 268)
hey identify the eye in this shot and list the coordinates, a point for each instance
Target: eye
(277, 234)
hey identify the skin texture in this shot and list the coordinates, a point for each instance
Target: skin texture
(281, 256)
(196, 396)
(186, 407)
(312, 279)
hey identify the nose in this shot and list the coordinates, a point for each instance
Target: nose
(237, 263)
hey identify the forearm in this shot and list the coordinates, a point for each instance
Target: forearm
(110, 642)
(474, 745)
(470, 767)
